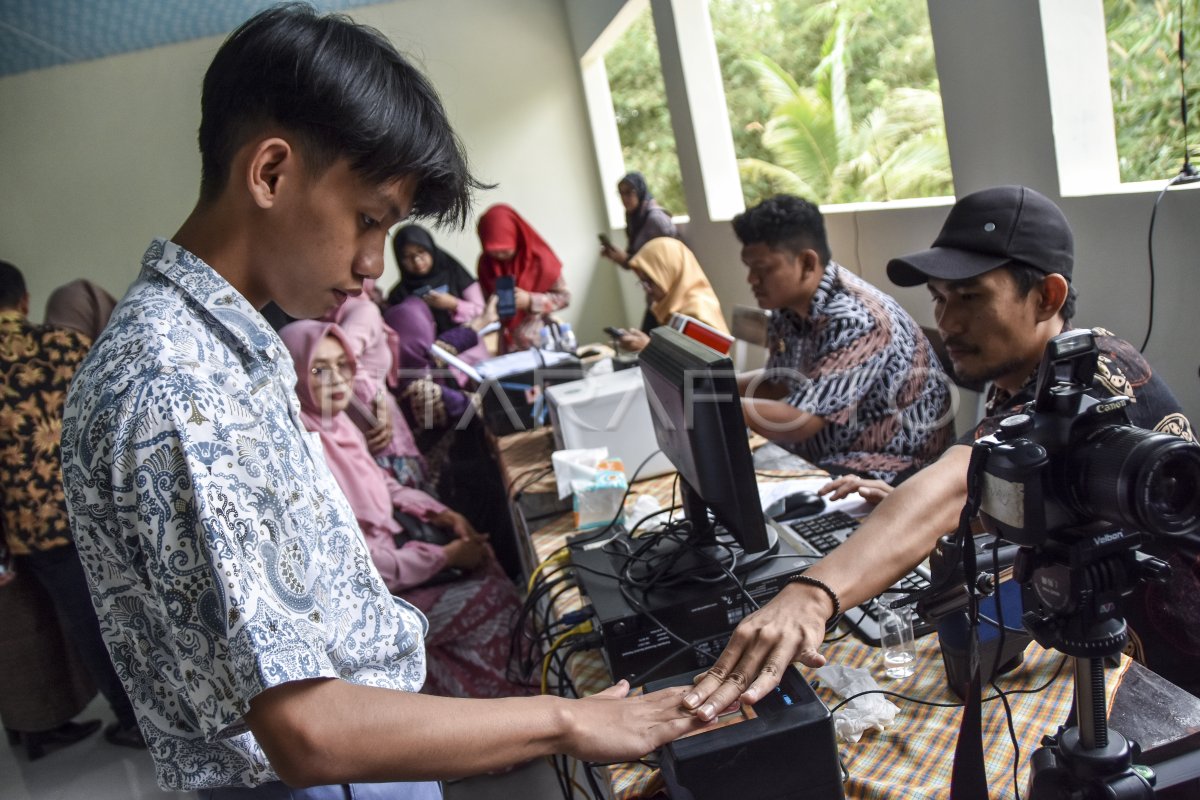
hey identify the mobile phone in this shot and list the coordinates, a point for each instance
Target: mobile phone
(424, 290)
(616, 333)
(506, 297)
(362, 414)
(604, 240)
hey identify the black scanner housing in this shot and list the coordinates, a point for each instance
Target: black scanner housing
(787, 750)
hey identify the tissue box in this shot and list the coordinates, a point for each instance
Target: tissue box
(598, 501)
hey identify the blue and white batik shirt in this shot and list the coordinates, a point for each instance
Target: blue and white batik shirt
(223, 558)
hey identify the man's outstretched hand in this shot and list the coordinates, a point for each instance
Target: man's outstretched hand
(789, 628)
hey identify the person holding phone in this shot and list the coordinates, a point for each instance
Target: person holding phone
(513, 250)
(645, 220)
(674, 283)
(436, 277)
(435, 286)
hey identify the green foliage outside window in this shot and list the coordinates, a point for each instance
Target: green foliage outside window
(834, 100)
(838, 100)
(643, 120)
(1143, 60)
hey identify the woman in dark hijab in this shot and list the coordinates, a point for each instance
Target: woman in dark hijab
(435, 276)
(645, 219)
(433, 282)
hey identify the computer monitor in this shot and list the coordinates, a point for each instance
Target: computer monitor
(698, 421)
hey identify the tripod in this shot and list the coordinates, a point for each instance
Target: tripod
(1088, 759)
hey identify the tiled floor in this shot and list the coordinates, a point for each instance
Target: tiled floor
(95, 770)
(91, 769)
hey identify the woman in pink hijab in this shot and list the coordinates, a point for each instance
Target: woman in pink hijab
(373, 408)
(471, 611)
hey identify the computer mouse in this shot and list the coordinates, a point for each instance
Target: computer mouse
(803, 503)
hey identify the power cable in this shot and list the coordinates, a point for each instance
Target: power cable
(1187, 173)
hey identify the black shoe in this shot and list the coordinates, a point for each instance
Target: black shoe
(36, 743)
(128, 735)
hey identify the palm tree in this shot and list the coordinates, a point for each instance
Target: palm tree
(898, 149)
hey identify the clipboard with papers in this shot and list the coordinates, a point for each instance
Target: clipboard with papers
(505, 366)
(511, 386)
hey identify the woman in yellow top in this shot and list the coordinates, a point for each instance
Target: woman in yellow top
(674, 284)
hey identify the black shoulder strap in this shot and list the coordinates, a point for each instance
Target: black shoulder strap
(968, 780)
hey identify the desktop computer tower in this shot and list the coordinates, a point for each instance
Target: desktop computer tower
(636, 648)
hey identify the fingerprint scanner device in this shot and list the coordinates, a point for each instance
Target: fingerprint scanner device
(608, 411)
(702, 332)
(781, 747)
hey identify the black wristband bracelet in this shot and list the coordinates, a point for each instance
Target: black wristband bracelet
(836, 616)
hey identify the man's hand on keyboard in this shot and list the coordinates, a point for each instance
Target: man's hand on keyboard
(789, 628)
(868, 489)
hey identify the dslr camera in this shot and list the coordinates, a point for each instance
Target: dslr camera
(1080, 489)
(1073, 461)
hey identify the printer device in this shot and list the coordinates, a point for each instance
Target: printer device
(607, 411)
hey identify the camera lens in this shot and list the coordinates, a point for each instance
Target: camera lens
(1170, 494)
(1139, 479)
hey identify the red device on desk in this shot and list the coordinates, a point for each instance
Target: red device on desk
(703, 333)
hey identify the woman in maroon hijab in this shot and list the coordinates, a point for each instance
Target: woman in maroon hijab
(512, 247)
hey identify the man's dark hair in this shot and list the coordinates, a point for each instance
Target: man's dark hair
(784, 222)
(1027, 277)
(343, 91)
(12, 285)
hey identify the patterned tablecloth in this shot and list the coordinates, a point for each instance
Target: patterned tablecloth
(913, 758)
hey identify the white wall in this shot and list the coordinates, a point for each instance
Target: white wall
(999, 125)
(99, 157)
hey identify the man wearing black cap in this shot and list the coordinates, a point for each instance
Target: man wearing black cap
(999, 274)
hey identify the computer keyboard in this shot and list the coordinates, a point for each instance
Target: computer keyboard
(818, 535)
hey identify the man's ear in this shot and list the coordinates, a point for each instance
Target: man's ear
(1051, 295)
(23, 304)
(810, 262)
(270, 163)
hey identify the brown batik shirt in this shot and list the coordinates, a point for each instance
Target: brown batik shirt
(37, 363)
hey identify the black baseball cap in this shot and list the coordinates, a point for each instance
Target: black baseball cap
(988, 229)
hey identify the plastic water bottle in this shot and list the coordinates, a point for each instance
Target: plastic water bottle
(546, 339)
(566, 338)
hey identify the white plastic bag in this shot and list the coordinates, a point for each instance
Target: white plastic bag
(861, 714)
(575, 465)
